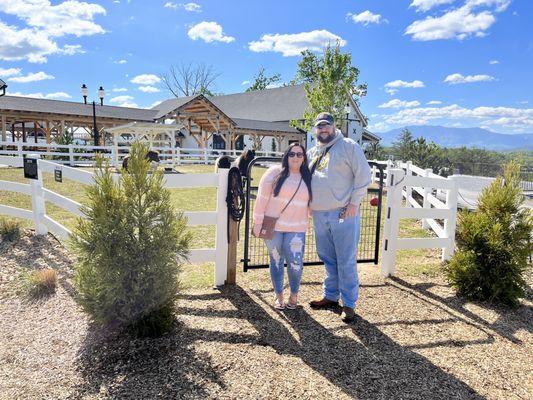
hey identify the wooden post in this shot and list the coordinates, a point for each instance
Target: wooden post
(37, 200)
(449, 223)
(35, 130)
(426, 203)
(232, 252)
(115, 150)
(4, 128)
(221, 241)
(408, 189)
(392, 221)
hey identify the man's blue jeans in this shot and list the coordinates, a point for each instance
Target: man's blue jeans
(286, 247)
(336, 245)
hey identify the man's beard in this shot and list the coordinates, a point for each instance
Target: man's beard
(327, 139)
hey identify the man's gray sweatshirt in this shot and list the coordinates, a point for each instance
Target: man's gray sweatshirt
(341, 177)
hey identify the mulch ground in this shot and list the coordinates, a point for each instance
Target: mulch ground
(412, 339)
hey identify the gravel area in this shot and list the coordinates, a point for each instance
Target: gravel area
(412, 339)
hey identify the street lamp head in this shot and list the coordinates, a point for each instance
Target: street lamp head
(84, 92)
(101, 95)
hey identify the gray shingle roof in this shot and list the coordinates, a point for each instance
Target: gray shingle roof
(16, 103)
(264, 125)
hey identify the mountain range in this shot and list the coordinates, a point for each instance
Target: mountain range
(457, 137)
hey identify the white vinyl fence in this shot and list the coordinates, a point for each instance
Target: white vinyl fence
(81, 155)
(401, 184)
(44, 223)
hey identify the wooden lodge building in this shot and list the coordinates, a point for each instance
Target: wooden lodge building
(250, 119)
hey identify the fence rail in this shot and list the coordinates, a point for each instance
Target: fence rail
(44, 223)
(81, 155)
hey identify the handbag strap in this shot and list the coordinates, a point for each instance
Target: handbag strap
(319, 159)
(296, 191)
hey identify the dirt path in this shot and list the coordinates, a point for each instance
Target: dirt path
(412, 339)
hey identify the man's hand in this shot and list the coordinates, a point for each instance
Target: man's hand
(351, 211)
(256, 229)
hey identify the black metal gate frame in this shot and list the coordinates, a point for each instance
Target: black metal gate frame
(246, 261)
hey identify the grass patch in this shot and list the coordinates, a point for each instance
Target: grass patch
(10, 229)
(39, 283)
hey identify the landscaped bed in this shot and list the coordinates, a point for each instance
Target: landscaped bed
(413, 338)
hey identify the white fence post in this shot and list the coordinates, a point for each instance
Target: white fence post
(205, 156)
(408, 189)
(426, 203)
(221, 241)
(449, 223)
(71, 155)
(37, 199)
(178, 155)
(392, 221)
(19, 149)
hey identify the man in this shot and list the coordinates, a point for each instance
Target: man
(340, 178)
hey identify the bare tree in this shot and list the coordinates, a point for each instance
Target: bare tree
(190, 79)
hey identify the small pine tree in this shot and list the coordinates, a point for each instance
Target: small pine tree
(494, 243)
(273, 147)
(129, 248)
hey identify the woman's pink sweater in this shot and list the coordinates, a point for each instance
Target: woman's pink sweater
(295, 217)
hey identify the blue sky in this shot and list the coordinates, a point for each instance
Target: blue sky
(458, 63)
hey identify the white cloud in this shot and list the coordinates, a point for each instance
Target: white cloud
(434, 102)
(192, 7)
(25, 44)
(146, 79)
(124, 101)
(458, 23)
(426, 5)
(396, 103)
(32, 77)
(403, 84)
(44, 22)
(245, 83)
(390, 91)
(455, 79)
(155, 103)
(39, 95)
(70, 49)
(121, 61)
(149, 89)
(67, 18)
(209, 31)
(294, 44)
(7, 72)
(493, 62)
(366, 18)
(504, 117)
(119, 90)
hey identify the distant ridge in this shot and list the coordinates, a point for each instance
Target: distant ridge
(469, 137)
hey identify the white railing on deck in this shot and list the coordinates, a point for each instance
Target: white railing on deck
(44, 223)
(72, 154)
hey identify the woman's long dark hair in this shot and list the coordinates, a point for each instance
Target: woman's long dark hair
(304, 171)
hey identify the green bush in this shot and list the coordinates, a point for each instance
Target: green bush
(129, 249)
(494, 244)
(10, 229)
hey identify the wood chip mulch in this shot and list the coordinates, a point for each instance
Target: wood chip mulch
(412, 339)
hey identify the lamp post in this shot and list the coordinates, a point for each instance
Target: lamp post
(3, 87)
(101, 95)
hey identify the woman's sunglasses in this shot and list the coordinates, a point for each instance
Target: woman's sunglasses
(295, 154)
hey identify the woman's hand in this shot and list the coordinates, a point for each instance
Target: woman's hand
(256, 229)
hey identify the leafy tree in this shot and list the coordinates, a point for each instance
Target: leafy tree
(403, 146)
(262, 81)
(129, 248)
(374, 151)
(494, 243)
(308, 68)
(273, 146)
(332, 87)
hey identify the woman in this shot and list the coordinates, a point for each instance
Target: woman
(285, 192)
